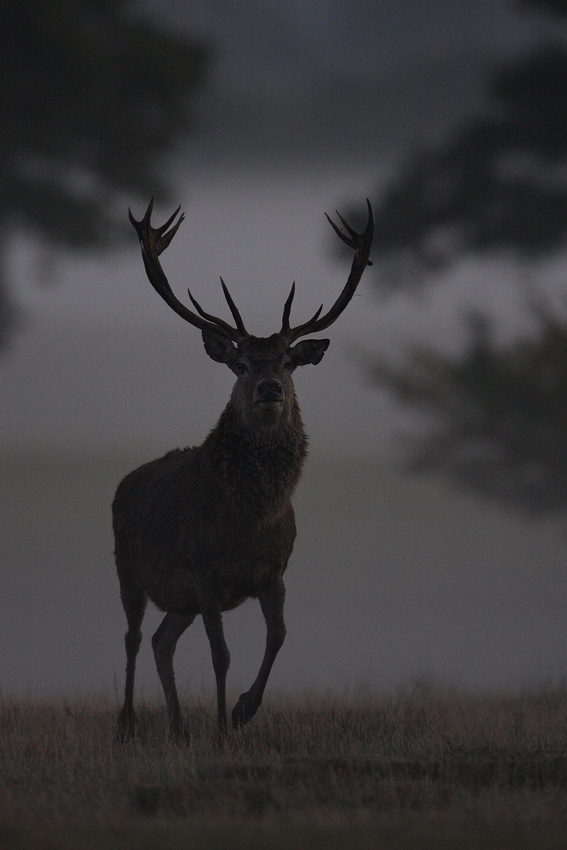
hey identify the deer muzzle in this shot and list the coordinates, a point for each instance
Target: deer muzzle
(269, 392)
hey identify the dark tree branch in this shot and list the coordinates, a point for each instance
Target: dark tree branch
(94, 95)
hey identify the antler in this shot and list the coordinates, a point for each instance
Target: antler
(362, 243)
(153, 241)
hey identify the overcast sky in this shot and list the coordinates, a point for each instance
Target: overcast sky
(307, 107)
(300, 114)
(343, 77)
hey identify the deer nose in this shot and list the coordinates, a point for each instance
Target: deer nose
(268, 389)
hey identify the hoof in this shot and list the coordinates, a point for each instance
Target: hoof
(180, 735)
(126, 727)
(242, 712)
(219, 741)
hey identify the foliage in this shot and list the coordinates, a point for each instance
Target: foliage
(93, 96)
(552, 7)
(499, 425)
(497, 182)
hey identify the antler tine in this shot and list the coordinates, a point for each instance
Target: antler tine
(162, 239)
(287, 311)
(213, 320)
(233, 309)
(338, 230)
(154, 240)
(362, 243)
(165, 238)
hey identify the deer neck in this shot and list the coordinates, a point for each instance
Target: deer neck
(260, 465)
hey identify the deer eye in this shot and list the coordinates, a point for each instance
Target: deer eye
(241, 368)
(287, 366)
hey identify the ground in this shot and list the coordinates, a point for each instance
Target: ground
(419, 767)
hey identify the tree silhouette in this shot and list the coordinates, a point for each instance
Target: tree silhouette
(498, 181)
(495, 415)
(93, 96)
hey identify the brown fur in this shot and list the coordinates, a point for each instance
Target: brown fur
(201, 529)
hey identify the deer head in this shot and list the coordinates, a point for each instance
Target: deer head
(263, 365)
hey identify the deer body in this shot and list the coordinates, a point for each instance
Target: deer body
(200, 511)
(202, 529)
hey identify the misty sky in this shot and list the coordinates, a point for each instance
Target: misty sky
(344, 79)
(307, 107)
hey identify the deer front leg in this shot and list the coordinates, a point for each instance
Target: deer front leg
(272, 600)
(212, 619)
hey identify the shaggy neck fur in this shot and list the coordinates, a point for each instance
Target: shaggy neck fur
(262, 464)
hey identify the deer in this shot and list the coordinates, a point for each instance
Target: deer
(202, 529)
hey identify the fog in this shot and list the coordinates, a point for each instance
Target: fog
(393, 579)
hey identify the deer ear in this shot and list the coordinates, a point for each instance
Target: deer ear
(308, 351)
(219, 347)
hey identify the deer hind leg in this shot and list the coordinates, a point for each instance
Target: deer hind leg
(134, 600)
(164, 642)
(272, 600)
(212, 619)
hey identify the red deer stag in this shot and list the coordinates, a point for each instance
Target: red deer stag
(201, 529)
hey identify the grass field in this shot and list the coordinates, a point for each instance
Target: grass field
(422, 768)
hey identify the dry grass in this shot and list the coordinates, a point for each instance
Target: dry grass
(454, 770)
